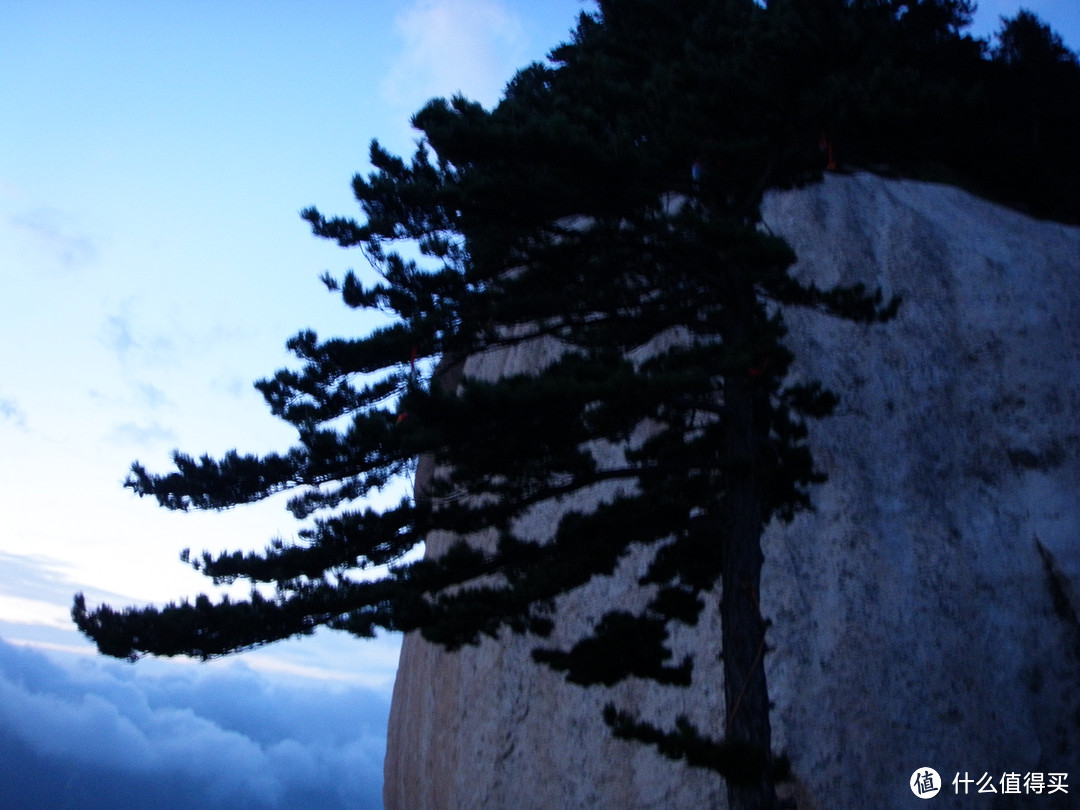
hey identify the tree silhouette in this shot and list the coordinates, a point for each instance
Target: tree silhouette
(569, 214)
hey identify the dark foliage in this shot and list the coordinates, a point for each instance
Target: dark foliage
(570, 212)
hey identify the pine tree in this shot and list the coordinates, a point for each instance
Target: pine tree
(569, 212)
(1034, 120)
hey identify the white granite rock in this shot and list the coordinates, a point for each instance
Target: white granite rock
(925, 615)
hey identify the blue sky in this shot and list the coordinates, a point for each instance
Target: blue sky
(153, 160)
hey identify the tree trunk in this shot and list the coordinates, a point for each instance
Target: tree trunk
(746, 694)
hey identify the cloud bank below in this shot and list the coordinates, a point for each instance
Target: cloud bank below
(82, 732)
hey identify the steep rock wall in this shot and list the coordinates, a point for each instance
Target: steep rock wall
(924, 615)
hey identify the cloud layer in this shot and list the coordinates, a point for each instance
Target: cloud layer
(450, 46)
(95, 733)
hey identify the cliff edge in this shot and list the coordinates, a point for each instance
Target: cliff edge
(926, 614)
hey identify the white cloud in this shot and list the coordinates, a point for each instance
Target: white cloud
(52, 234)
(451, 46)
(131, 339)
(117, 334)
(133, 434)
(299, 724)
(10, 412)
(194, 736)
(34, 578)
(19, 610)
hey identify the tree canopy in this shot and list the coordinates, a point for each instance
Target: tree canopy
(609, 203)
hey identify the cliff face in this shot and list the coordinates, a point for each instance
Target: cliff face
(925, 615)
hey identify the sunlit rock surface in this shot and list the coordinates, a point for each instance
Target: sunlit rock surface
(925, 615)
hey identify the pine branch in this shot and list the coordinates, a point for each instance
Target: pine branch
(739, 763)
